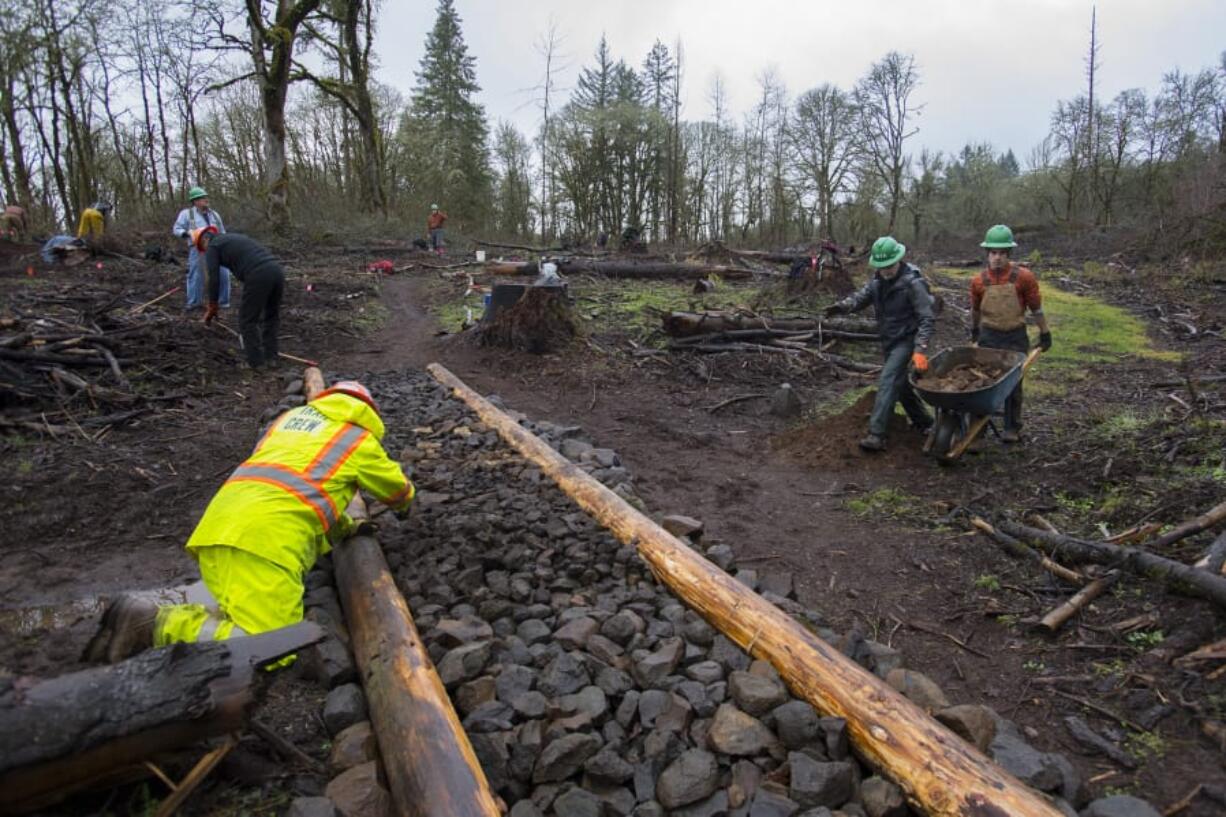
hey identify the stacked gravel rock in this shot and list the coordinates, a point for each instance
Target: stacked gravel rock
(585, 686)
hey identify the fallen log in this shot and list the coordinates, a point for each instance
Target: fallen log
(1214, 559)
(1015, 548)
(89, 727)
(626, 269)
(1196, 378)
(718, 348)
(430, 765)
(1210, 518)
(1138, 561)
(821, 333)
(940, 773)
(524, 247)
(1058, 617)
(684, 324)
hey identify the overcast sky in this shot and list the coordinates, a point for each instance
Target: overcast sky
(991, 70)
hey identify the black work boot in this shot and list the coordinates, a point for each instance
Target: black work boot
(873, 442)
(125, 630)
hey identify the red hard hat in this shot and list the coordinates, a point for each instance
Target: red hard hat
(200, 233)
(352, 388)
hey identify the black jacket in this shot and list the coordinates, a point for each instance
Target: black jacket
(244, 256)
(903, 304)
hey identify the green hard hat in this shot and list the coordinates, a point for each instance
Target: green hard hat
(999, 237)
(196, 193)
(886, 252)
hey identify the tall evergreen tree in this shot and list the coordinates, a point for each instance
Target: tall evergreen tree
(445, 129)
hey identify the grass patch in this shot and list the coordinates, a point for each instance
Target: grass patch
(1085, 330)
(884, 503)
(987, 581)
(370, 316)
(613, 305)
(1145, 745)
(1143, 640)
(606, 306)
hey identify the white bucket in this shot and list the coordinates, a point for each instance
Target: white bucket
(480, 256)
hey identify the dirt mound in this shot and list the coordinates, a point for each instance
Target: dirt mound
(833, 442)
(966, 377)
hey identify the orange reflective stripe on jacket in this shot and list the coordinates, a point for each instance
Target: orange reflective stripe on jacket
(308, 485)
(334, 453)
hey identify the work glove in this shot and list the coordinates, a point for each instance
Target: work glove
(1045, 341)
(974, 334)
(919, 361)
(210, 312)
(833, 309)
(404, 513)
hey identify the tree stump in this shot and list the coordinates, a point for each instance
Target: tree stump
(539, 321)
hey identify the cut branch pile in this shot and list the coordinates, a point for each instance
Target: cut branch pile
(800, 337)
(68, 359)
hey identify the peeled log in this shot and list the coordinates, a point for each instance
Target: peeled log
(940, 773)
(430, 765)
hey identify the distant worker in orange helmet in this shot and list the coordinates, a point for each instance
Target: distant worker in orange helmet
(278, 512)
(905, 323)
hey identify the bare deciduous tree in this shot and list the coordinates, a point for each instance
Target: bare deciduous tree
(887, 114)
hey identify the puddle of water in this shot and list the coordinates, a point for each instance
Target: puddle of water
(22, 622)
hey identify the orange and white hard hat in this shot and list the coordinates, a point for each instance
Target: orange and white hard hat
(352, 388)
(201, 232)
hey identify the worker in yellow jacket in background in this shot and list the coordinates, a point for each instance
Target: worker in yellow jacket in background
(93, 221)
(276, 514)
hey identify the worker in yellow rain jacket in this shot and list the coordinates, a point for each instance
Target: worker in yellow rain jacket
(93, 221)
(276, 514)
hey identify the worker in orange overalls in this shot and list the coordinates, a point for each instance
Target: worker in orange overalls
(267, 525)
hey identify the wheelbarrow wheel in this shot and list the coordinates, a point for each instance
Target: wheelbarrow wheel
(947, 427)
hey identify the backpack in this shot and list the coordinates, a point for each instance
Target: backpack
(938, 301)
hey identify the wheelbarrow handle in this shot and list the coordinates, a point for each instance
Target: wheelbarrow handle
(1031, 358)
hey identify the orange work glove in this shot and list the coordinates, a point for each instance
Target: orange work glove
(210, 312)
(920, 361)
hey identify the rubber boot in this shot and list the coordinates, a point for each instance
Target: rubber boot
(1010, 436)
(125, 630)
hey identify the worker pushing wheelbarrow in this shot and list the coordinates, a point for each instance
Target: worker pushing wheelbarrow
(967, 385)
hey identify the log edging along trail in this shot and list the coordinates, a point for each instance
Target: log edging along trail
(940, 773)
(430, 765)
